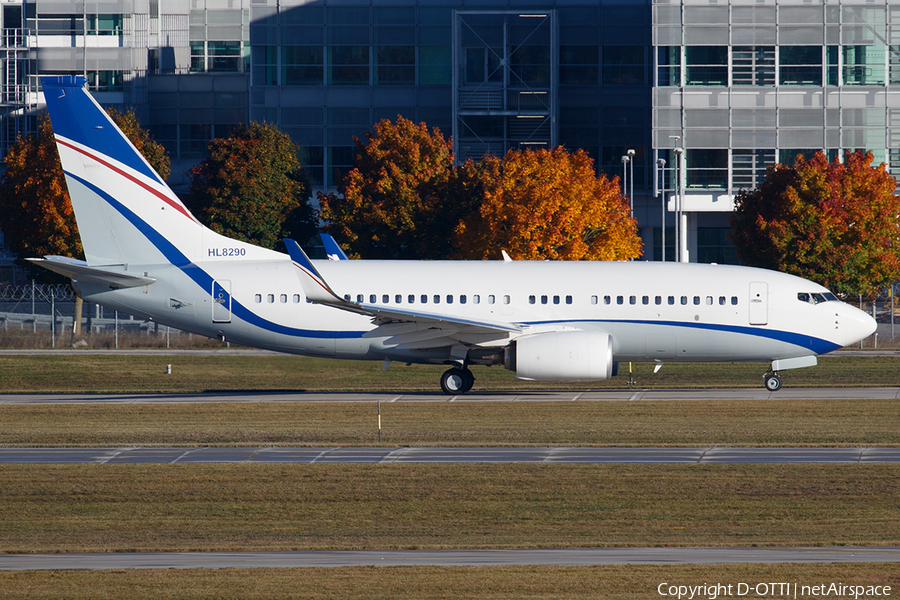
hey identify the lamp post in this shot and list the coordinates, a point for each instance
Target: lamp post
(631, 154)
(661, 163)
(625, 175)
(679, 189)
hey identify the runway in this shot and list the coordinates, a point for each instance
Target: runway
(551, 455)
(615, 395)
(447, 558)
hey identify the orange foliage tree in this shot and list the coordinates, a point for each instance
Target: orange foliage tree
(548, 205)
(252, 187)
(404, 197)
(35, 211)
(835, 223)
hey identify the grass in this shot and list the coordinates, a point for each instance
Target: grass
(135, 374)
(676, 423)
(628, 582)
(74, 508)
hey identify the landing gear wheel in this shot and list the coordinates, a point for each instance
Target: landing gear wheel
(773, 382)
(457, 381)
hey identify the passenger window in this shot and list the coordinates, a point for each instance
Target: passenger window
(658, 300)
(620, 300)
(359, 298)
(476, 299)
(258, 298)
(555, 299)
(462, 299)
(632, 299)
(373, 298)
(532, 299)
(568, 299)
(594, 299)
(671, 300)
(506, 299)
(645, 300)
(449, 298)
(491, 299)
(385, 299)
(347, 297)
(398, 299)
(709, 300)
(543, 299)
(721, 300)
(270, 298)
(696, 300)
(423, 298)
(296, 298)
(606, 300)
(734, 300)
(411, 298)
(283, 298)
(684, 300)
(437, 299)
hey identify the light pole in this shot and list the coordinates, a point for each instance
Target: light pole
(625, 175)
(661, 163)
(630, 154)
(679, 189)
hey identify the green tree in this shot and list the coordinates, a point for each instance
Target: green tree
(835, 223)
(252, 187)
(404, 197)
(548, 205)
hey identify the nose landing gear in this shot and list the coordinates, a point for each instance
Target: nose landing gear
(772, 381)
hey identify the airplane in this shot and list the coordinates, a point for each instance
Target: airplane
(147, 255)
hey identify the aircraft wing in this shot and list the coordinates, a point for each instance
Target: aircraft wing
(79, 270)
(406, 328)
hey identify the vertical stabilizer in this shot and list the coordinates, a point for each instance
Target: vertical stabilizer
(126, 213)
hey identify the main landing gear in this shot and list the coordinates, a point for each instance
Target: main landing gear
(773, 381)
(457, 381)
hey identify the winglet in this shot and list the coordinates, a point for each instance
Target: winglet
(332, 248)
(314, 285)
(506, 257)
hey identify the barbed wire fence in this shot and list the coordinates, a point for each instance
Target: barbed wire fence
(39, 308)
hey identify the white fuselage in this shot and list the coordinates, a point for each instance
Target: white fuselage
(652, 311)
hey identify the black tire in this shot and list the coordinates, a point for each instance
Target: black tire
(469, 381)
(454, 382)
(773, 383)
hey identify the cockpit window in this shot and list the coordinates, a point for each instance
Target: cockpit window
(816, 297)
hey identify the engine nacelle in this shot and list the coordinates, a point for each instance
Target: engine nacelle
(562, 356)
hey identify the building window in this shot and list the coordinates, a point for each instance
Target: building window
(707, 169)
(800, 65)
(104, 24)
(579, 65)
(483, 66)
(714, 246)
(223, 56)
(434, 65)
(863, 65)
(302, 65)
(395, 65)
(748, 167)
(106, 81)
(753, 65)
(706, 65)
(623, 65)
(668, 60)
(348, 65)
(265, 65)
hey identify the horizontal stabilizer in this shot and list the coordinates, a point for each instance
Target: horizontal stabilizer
(78, 270)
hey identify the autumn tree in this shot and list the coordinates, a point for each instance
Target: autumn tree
(35, 211)
(835, 223)
(252, 187)
(548, 204)
(404, 198)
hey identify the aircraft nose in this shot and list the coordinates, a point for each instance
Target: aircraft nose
(857, 324)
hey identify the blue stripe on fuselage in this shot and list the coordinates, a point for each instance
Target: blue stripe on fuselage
(204, 279)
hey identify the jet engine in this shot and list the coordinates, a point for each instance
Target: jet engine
(562, 356)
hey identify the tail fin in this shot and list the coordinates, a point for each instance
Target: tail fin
(125, 211)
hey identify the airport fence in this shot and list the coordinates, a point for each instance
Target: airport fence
(39, 309)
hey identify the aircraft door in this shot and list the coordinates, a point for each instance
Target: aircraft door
(221, 301)
(759, 303)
